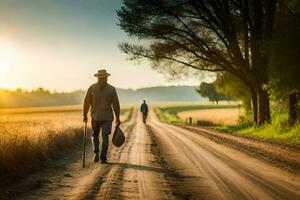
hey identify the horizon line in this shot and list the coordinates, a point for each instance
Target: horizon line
(69, 91)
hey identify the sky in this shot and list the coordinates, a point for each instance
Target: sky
(60, 44)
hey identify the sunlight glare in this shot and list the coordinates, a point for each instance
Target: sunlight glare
(7, 57)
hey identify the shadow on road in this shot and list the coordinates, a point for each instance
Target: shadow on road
(167, 172)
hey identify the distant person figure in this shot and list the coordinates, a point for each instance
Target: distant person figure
(103, 100)
(144, 110)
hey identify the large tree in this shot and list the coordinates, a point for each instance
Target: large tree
(211, 35)
(285, 60)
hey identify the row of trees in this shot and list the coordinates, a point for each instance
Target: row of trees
(253, 41)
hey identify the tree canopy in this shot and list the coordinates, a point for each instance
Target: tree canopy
(209, 90)
(208, 35)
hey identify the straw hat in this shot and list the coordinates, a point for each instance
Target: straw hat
(102, 73)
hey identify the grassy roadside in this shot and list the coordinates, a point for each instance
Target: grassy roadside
(32, 136)
(278, 130)
(126, 114)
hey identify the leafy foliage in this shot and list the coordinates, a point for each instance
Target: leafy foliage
(233, 87)
(209, 90)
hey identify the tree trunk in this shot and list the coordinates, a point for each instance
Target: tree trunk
(261, 32)
(254, 105)
(264, 106)
(292, 108)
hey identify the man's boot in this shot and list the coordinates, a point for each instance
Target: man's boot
(96, 157)
(95, 142)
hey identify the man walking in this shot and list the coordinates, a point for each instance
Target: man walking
(144, 110)
(103, 100)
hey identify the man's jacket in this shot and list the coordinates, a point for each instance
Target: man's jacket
(144, 108)
(103, 99)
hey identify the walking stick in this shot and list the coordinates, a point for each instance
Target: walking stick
(84, 144)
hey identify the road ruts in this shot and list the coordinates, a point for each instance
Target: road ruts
(135, 174)
(66, 179)
(208, 170)
(132, 172)
(144, 178)
(161, 161)
(108, 180)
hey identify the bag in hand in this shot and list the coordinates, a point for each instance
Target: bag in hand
(118, 137)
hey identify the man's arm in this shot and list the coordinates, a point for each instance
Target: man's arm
(86, 105)
(116, 106)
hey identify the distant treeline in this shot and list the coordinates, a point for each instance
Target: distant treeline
(44, 97)
(38, 97)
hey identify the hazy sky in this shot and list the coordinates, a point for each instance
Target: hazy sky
(60, 44)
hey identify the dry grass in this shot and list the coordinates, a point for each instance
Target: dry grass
(190, 104)
(213, 116)
(29, 136)
(70, 108)
(202, 113)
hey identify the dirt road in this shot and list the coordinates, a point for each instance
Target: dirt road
(161, 161)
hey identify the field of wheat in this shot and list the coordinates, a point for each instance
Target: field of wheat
(32, 135)
(212, 116)
(202, 113)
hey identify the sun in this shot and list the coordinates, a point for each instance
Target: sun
(7, 58)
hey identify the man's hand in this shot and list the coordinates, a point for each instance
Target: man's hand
(118, 121)
(85, 119)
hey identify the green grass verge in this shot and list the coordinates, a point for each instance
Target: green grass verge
(278, 130)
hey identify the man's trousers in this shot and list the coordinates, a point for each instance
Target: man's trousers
(106, 130)
(144, 116)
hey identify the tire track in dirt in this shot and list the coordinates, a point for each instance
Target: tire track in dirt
(143, 172)
(112, 179)
(107, 184)
(66, 179)
(280, 156)
(218, 172)
(171, 174)
(134, 173)
(185, 180)
(161, 161)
